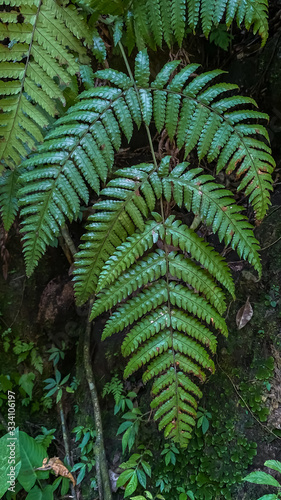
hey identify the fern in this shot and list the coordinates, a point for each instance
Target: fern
(41, 47)
(115, 387)
(130, 198)
(38, 61)
(8, 197)
(170, 322)
(150, 22)
(113, 220)
(80, 149)
(163, 280)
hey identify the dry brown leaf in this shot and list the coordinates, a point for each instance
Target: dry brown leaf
(58, 467)
(244, 315)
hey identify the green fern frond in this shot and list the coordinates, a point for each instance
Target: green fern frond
(87, 76)
(217, 207)
(115, 387)
(179, 235)
(8, 197)
(199, 193)
(152, 297)
(113, 221)
(45, 44)
(170, 321)
(85, 153)
(131, 197)
(208, 122)
(148, 299)
(149, 22)
(128, 253)
(152, 267)
(82, 146)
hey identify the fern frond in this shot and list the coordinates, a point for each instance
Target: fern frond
(217, 208)
(128, 253)
(152, 267)
(8, 197)
(206, 120)
(170, 322)
(128, 201)
(148, 299)
(45, 44)
(115, 387)
(131, 197)
(148, 22)
(179, 235)
(191, 109)
(84, 149)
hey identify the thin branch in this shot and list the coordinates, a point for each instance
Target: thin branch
(246, 405)
(101, 464)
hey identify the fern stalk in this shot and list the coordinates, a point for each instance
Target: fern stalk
(139, 101)
(99, 450)
(163, 221)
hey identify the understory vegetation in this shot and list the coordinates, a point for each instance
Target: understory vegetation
(140, 326)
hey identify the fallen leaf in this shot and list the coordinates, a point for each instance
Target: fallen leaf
(58, 467)
(244, 315)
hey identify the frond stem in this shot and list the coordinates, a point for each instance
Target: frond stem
(162, 215)
(170, 315)
(146, 126)
(137, 92)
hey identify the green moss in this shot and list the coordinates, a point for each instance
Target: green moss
(213, 463)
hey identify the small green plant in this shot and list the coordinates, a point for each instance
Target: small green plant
(203, 418)
(116, 388)
(28, 361)
(260, 477)
(56, 385)
(56, 354)
(221, 37)
(136, 470)
(185, 496)
(22, 350)
(86, 465)
(130, 428)
(46, 437)
(87, 437)
(170, 451)
(148, 496)
(272, 298)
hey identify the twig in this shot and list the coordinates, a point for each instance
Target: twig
(68, 240)
(271, 244)
(101, 465)
(248, 408)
